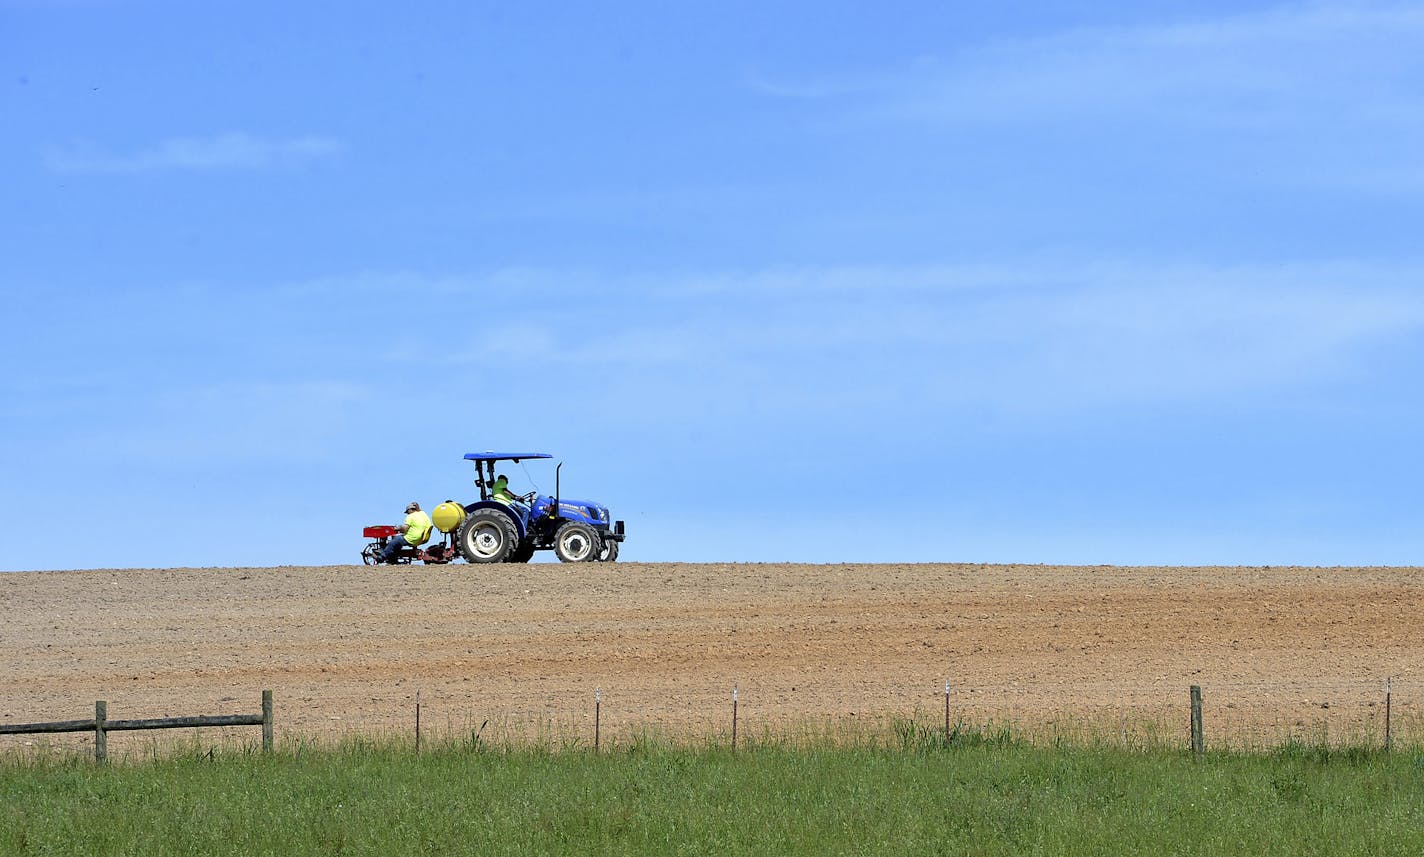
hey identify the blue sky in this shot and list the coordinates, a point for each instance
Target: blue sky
(1129, 283)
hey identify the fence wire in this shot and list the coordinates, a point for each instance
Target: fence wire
(1238, 713)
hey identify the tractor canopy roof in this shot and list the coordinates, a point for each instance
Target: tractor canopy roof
(504, 456)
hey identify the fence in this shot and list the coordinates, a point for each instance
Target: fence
(1193, 718)
(1245, 714)
(1190, 717)
(101, 725)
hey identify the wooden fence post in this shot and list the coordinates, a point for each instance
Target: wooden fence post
(266, 721)
(1198, 739)
(101, 738)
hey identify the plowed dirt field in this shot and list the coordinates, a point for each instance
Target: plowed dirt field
(1106, 650)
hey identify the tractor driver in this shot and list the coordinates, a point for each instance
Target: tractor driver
(500, 490)
(414, 532)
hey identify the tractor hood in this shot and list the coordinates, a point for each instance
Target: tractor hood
(575, 510)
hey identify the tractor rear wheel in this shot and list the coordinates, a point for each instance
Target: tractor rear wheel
(609, 552)
(575, 542)
(487, 535)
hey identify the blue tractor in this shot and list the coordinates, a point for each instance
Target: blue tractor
(510, 528)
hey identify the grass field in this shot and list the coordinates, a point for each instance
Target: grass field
(902, 792)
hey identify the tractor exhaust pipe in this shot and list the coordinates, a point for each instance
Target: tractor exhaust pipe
(554, 509)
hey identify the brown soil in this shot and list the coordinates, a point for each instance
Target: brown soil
(346, 648)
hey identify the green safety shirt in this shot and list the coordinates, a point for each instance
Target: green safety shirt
(417, 528)
(501, 491)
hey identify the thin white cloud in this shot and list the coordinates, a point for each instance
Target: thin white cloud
(1247, 67)
(245, 420)
(1252, 70)
(225, 151)
(811, 89)
(1073, 337)
(812, 343)
(1322, 95)
(1040, 338)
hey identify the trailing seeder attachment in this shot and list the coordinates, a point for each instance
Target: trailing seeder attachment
(436, 554)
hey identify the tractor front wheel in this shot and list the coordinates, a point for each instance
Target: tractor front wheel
(575, 542)
(486, 536)
(609, 553)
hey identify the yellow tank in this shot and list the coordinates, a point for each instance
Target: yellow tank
(447, 516)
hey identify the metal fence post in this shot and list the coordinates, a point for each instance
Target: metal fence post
(1388, 738)
(734, 719)
(946, 712)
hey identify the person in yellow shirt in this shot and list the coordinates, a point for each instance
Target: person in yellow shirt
(500, 490)
(413, 533)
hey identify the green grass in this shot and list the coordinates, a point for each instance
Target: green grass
(900, 792)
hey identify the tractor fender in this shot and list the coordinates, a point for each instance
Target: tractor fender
(519, 527)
